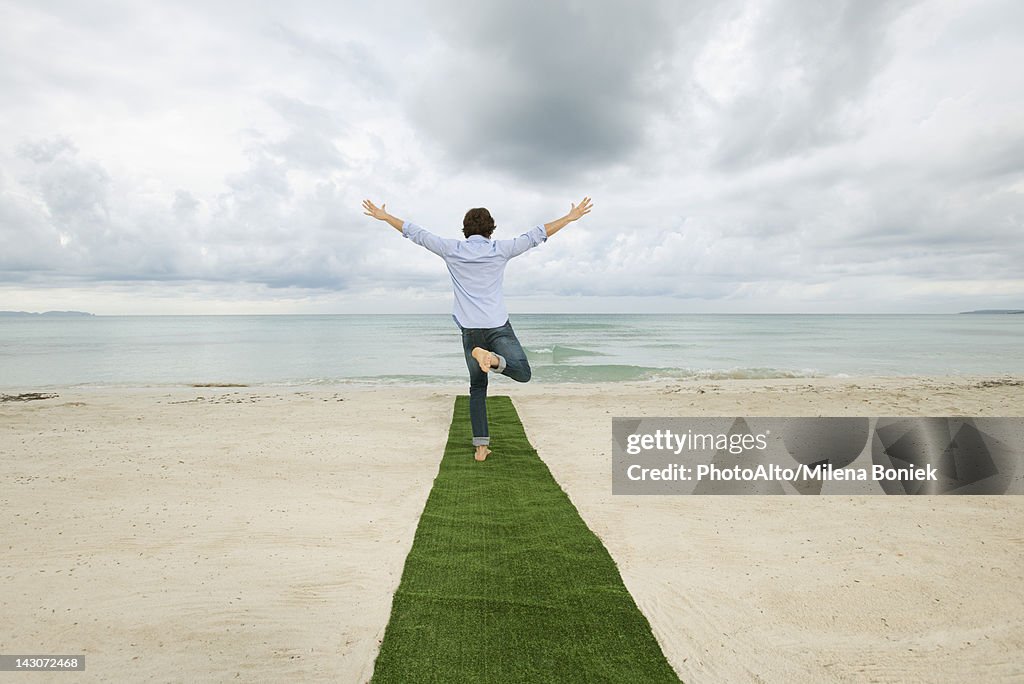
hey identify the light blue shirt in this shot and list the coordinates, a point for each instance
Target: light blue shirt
(477, 267)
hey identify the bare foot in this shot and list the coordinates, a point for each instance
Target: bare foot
(482, 452)
(486, 359)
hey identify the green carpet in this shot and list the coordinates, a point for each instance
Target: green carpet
(506, 583)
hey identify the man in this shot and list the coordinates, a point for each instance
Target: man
(477, 266)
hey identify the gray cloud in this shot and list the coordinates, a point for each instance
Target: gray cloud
(814, 62)
(544, 90)
(184, 205)
(46, 150)
(348, 59)
(310, 142)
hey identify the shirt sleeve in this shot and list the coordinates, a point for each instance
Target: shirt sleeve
(516, 246)
(424, 238)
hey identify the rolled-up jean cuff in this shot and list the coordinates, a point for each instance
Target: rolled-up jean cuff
(481, 441)
(501, 363)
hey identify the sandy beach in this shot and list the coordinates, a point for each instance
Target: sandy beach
(207, 534)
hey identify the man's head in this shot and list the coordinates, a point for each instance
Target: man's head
(478, 222)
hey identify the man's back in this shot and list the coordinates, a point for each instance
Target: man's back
(477, 267)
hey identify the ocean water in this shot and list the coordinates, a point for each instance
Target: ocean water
(43, 352)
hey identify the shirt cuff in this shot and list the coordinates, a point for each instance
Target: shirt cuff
(543, 235)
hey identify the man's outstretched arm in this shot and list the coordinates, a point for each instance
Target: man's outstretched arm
(420, 236)
(379, 213)
(576, 213)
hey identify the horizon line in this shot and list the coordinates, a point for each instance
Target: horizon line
(85, 314)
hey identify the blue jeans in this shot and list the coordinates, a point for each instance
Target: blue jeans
(502, 342)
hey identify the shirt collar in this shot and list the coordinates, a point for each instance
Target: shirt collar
(478, 238)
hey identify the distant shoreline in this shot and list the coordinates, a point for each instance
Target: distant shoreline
(86, 314)
(48, 314)
(681, 386)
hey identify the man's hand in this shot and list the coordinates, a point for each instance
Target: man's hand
(376, 212)
(578, 210)
(380, 213)
(575, 214)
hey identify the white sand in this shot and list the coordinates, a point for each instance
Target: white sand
(200, 540)
(261, 533)
(804, 589)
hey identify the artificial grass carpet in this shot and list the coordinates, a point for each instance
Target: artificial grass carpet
(506, 583)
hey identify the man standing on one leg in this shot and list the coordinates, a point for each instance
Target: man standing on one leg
(477, 267)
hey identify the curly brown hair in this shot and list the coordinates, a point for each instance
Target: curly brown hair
(478, 222)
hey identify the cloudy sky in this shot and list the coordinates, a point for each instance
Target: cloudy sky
(196, 157)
